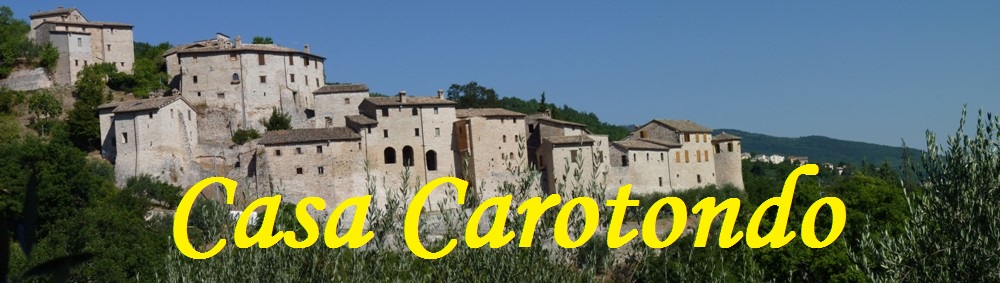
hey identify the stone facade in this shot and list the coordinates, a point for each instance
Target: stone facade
(246, 79)
(335, 102)
(81, 42)
(490, 144)
(325, 162)
(157, 137)
(728, 160)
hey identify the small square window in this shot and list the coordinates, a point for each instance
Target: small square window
(414, 111)
(320, 170)
(221, 95)
(319, 149)
(298, 170)
(347, 101)
(416, 132)
(199, 94)
(293, 77)
(298, 150)
(435, 110)
(572, 155)
(232, 57)
(385, 112)
(437, 132)
(277, 152)
(194, 79)
(385, 133)
(263, 79)
(124, 137)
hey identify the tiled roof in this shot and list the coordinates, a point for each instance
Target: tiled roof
(58, 11)
(662, 142)
(725, 137)
(345, 88)
(684, 126)
(111, 105)
(272, 48)
(567, 140)
(308, 135)
(410, 100)
(486, 112)
(88, 24)
(640, 145)
(145, 104)
(361, 120)
(546, 118)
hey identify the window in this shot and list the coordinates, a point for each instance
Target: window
(123, 64)
(199, 94)
(416, 132)
(687, 157)
(687, 137)
(232, 57)
(293, 78)
(171, 113)
(661, 181)
(221, 95)
(385, 112)
(79, 42)
(385, 133)
(298, 170)
(435, 110)
(504, 138)
(647, 156)
(414, 112)
(431, 158)
(263, 79)
(407, 156)
(517, 138)
(572, 155)
(699, 178)
(437, 132)
(305, 61)
(347, 101)
(661, 156)
(717, 148)
(189, 115)
(319, 149)
(317, 81)
(706, 155)
(642, 134)
(194, 79)
(306, 79)
(730, 146)
(109, 47)
(369, 130)
(150, 115)
(291, 60)
(298, 150)
(389, 155)
(194, 58)
(633, 158)
(260, 59)
(320, 170)
(124, 137)
(76, 62)
(236, 78)
(697, 156)
(624, 160)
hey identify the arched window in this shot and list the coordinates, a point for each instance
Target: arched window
(407, 156)
(236, 78)
(432, 160)
(390, 155)
(624, 160)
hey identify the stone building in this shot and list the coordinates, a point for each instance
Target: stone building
(490, 142)
(323, 162)
(408, 132)
(693, 161)
(728, 159)
(246, 81)
(335, 102)
(82, 42)
(561, 150)
(157, 136)
(644, 163)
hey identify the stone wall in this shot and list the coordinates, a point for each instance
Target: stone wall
(729, 164)
(161, 143)
(31, 79)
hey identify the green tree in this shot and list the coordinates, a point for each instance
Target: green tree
(278, 121)
(90, 91)
(952, 234)
(262, 40)
(44, 105)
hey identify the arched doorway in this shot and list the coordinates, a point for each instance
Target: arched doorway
(390, 155)
(431, 158)
(407, 156)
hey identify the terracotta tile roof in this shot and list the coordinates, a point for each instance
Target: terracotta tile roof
(87, 24)
(568, 140)
(361, 120)
(640, 145)
(57, 11)
(200, 47)
(546, 118)
(308, 135)
(725, 137)
(146, 104)
(344, 88)
(684, 126)
(486, 112)
(410, 100)
(663, 142)
(112, 104)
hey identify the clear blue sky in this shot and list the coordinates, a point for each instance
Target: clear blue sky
(874, 71)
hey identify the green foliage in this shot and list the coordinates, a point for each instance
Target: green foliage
(150, 70)
(278, 120)
(9, 100)
(473, 95)
(241, 136)
(10, 129)
(82, 122)
(821, 149)
(262, 40)
(16, 50)
(952, 234)
(44, 105)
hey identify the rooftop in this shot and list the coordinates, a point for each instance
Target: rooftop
(361, 120)
(641, 145)
(308, 135)
(208, 46)
(141, 105)
(410, 100)
(88, 24)
(343, 88)
(57, 11)
(568, 140)
(546, 118)
(684, 126)
(486, 112)
(725, 137)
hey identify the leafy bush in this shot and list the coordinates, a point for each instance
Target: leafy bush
(242, 136)
(278, 120)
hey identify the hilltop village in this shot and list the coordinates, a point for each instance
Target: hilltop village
(342, 135)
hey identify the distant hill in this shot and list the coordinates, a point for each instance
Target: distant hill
(821, 149)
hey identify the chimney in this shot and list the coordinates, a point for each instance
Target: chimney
(306, 48)
(239, 41)
(548, 112)
(440, 94)
(402, 96)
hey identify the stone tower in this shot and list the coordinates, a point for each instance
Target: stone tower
(728, 162)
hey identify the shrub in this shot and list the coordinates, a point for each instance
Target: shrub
(241, 136)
